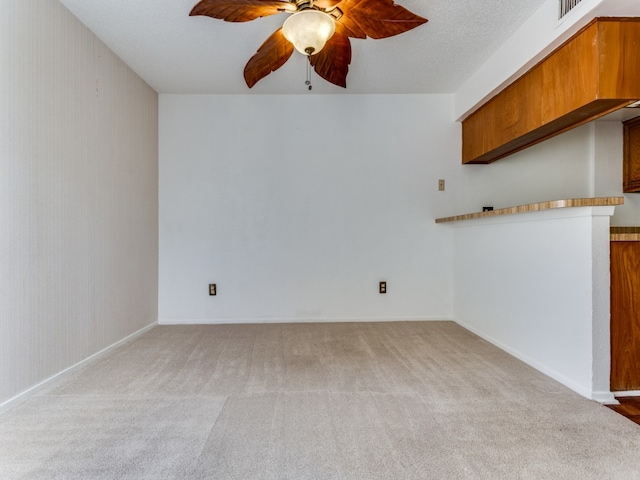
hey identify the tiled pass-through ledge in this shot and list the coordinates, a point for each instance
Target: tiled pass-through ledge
(536, 207)
(625, 234)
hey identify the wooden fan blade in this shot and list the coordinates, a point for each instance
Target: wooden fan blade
(326, 4)
(332, 62)
(240, 10)
(377, 18)
(347, 26)
(271, 55)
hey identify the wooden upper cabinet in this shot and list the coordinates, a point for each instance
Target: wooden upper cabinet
(593, 73)
(631, 163)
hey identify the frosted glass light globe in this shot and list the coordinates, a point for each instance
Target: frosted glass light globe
(309, 30)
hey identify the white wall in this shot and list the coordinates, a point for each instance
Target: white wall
(297, 206)
(540, 290)
(78, 195)
(537, 285)
(583, 162)
(561, 167)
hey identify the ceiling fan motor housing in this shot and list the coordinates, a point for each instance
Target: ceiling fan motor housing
(303, 4)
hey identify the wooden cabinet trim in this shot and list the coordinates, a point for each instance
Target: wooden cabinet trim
(591, 74)
(631, 160)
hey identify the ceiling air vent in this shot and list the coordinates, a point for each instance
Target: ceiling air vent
(567, 5)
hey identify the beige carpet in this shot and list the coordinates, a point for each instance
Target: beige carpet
(314, 401)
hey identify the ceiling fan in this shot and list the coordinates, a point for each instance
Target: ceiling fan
(319, 29)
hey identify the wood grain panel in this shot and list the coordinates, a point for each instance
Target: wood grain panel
(625, 316)
(631, 162)
(619, 58)
(590, 75)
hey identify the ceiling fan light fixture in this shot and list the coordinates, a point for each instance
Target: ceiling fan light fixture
(309, 30)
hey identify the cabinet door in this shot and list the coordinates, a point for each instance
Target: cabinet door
(631, 159)
(625, 316)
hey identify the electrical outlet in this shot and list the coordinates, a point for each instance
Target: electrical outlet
(212, 289)
(441, 184)
(383, 287)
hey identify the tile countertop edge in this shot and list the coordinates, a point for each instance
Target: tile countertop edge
(625, 234)
(536, 207)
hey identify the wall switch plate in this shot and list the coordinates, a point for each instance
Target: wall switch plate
(441, 185)
(212, 289)
(383, 287)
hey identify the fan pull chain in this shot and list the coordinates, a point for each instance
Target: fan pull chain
(308, 82)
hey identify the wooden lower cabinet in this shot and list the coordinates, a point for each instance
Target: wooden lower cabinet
(625, 315)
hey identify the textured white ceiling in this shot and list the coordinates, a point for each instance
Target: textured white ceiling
(176, 53)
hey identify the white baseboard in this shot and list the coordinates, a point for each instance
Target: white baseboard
(602, 397)
(21, 397)
(234, 321)
(627, 393)
(606, 398)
